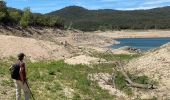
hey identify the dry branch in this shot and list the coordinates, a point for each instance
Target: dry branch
(130, 82)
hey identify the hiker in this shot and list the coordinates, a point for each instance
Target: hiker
(18, 74)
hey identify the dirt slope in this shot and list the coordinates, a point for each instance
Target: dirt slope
(34, 49)
(156, 65)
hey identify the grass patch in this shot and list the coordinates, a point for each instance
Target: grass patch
(120, 82)
(56, 86)
(74, 76)
(111, 57)
(48, 79)
(4, 66)
(141, 79)
(7, 83)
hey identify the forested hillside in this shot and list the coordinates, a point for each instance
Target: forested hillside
(87, 20)
(15, 17)
(92, 20)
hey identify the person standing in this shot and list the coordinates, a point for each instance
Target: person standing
(18, 74)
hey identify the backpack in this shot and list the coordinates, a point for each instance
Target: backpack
(14, 70)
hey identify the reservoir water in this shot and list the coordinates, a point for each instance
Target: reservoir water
(141, 43)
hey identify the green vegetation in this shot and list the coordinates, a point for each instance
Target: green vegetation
(111, 57)
(7, 83)
(88, 20)
(46, 20)
(107, 19)
(52, 79)
(15, 17)
(121, 83)
(61, 75)
(3, 11)
(25, 19)
(58, 80)
(141, 79)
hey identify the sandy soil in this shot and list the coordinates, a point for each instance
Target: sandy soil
(83, 59)
(102, 79)
(156, 65)
(135, 34)
(48, 43)
(34, 49)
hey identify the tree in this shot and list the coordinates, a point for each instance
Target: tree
(54, 21)
(25, 19)
(3, 11)
(2, 16)
(14, 17)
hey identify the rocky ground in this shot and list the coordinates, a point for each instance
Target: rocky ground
(49, 43)
(156, 65)
(75, 47)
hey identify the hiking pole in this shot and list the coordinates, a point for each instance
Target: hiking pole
(30, 90)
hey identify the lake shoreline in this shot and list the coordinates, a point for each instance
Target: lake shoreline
(141, 43)
(131, 34)
(135, 34)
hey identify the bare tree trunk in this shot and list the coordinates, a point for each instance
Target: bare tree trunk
(130, 82)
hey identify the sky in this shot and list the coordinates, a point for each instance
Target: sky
(45, 6)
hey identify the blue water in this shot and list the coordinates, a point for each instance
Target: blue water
(141, 43)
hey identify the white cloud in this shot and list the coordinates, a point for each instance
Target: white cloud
(139, 8)
(152, 2)
(149, 4)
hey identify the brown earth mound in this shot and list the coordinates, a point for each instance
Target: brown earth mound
(156, 65)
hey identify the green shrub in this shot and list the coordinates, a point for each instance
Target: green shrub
(139, 79)
(3, 11)
(14, 16)
(120, 83)
(111, 57)
(25, 19)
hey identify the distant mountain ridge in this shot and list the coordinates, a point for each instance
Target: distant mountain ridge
(103, 19)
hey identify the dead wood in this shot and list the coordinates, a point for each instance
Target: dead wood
(130, 82)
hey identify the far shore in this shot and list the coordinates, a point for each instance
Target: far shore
(134, 33)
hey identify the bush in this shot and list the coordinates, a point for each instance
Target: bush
(25, 19)
(14, 17)
(139, 79)
(3, 11)
(120, 83)
(2, 15)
